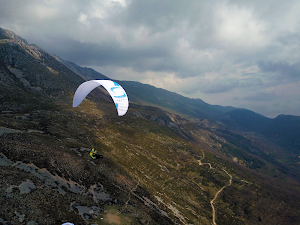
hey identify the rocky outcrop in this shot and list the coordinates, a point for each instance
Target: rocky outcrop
(32, 67)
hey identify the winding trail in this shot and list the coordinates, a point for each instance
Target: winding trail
(212, 201)
(129, 194)
(218, 192)
(201, 164)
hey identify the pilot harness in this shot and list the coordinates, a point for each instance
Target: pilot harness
(93, 153)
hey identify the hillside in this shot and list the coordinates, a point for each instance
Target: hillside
(281, 133)
(158, 167)
(283, 130)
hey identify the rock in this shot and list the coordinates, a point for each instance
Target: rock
(4, 222)
(31, 223)
(21, 216)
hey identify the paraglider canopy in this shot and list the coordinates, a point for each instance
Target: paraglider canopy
(117, 93)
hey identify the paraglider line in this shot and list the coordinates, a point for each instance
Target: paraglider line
(89, 142)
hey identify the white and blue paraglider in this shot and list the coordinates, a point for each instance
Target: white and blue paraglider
(117, 93)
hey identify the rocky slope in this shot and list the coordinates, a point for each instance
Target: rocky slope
(158, 168)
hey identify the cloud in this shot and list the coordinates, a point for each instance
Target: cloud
(197, 48)
(109, 53)
(260, 96)
(220, 86)
(282, 68)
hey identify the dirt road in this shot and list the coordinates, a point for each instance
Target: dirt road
(212, 201)
(218, 192)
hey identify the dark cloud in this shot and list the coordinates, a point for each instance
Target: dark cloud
(261, 96)
(220, 86)
(282, 68)
(108, 53)
(161, 16)
(251, 83)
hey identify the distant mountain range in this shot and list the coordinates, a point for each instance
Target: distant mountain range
(283, 130)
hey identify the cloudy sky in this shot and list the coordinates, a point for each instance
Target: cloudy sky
(229, 52)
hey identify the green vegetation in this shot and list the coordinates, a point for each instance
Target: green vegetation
(246, 159)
